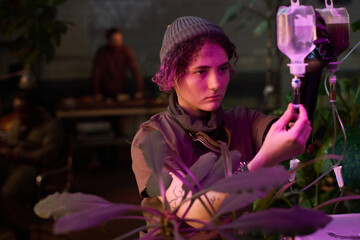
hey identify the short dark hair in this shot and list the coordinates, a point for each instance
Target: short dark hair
(112, 31)
(182, 55)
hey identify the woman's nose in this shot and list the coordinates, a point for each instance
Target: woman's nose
(213, 82)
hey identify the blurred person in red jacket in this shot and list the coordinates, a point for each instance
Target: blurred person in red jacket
(111, 65)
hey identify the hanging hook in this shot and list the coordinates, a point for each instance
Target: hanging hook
(295, 2)
(329, 3)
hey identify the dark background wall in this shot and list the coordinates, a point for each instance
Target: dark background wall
(143, 23)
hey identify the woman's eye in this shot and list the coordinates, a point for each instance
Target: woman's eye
(224, 69)
(200, 72)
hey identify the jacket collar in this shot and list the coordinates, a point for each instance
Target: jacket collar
(191, 123)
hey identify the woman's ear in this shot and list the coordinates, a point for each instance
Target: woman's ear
(174, 84)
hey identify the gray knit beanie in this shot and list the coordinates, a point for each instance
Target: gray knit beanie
(185, 28)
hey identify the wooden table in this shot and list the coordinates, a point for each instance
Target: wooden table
(124, 117)
(130, 114)
(83, 109)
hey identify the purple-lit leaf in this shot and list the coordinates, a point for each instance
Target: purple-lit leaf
(60, 204)
(235, 201)
(261, 180)
(177, 235)
(208, 169)
(251, 190)
(90, 217)
(200, 170)
(231, 235)
(134, 231)
(77, 211)
(218, 170)
(287, 222)
(153, 186)
(211, 231)
(153, 148)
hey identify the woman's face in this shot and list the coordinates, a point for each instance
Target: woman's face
(203, 87)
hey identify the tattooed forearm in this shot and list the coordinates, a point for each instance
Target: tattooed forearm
(178, 193)
(212, 198)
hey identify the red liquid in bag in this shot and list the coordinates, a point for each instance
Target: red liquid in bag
(339, 37)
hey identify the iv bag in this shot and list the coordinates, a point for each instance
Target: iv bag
(337, 24)
(296, 32)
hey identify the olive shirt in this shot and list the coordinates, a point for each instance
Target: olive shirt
(43, 139)
(246, 127)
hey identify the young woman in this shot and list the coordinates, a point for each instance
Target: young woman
(196, 64)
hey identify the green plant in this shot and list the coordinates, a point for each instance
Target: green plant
(244, 11)
(33, 28)
(34, 32)
(330, 139)
(330, 136)
(80, 211)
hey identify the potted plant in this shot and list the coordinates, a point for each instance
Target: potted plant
(34, 32)
(77, 211)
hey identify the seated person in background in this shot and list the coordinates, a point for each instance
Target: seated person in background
(196, 63)
(34, 143)
(111, 65)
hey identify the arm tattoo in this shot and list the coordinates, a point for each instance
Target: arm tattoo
(212, 199)
(178, 196)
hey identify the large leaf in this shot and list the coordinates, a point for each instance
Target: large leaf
(60, 204)
(153, 148)
(90, 217)
(200, 170)
(77, 211)
(235, 202)
(249, 191)
(288, 222)
(218, 170)
(261, 180)
(153, 187)
(208, 169)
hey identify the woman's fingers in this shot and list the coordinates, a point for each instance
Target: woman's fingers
(301, 129)
(302, 122)
(285, 118)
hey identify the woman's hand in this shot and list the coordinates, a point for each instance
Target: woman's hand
(281, 144)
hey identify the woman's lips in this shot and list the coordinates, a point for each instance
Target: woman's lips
(214, 98)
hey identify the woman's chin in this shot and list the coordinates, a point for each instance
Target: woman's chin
(212, 107)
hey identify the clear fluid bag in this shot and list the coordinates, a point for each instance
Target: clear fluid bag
(296, 32)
